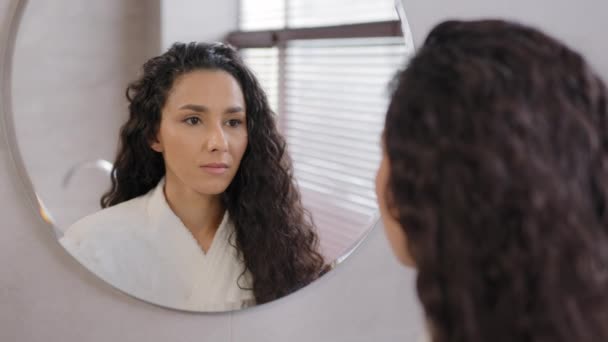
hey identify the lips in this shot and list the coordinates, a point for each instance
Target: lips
(216, 165)
(215, 168)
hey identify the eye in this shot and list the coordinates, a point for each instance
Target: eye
(192, 121)
(234, 122)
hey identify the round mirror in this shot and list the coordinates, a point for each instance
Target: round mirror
(207, 187)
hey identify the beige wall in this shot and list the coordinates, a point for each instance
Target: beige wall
(196, 20)
(581, 24)
(72, 62)
(69, 77)
(47, 296)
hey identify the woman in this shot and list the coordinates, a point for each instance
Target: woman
(203, 212)
(494, 185)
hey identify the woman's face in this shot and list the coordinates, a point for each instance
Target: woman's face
(393, 230)
(203, 131)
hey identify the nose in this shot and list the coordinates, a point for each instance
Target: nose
(217, 139)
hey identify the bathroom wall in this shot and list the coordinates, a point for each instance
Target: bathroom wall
(196, 20)
(69, 79)
(47, 296)
(580, 24)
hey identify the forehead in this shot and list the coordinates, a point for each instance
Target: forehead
(204, 87)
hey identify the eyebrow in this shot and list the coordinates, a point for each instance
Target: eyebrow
(204, 109)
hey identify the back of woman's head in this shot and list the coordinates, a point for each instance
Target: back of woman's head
(497, 137)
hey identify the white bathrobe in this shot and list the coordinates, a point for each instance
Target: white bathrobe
(141, 247)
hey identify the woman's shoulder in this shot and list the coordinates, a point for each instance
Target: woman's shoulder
(107, 224)
(110, 242)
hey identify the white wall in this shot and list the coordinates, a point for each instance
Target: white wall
(90, 48)
(581, 24)
(196, 20)
(47, 296)
(69, 79)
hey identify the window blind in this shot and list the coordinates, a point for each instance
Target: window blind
(276, 14)
(310, 13)
(261, 14)
(333, 97)
(264, 63)
(336, 97)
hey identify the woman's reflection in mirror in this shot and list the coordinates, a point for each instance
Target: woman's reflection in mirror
(203, 212)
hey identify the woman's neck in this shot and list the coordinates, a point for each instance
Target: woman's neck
(201, 214)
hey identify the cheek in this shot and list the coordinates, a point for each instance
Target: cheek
(238, 145)
(392, 229)
(182, 142)
(381, 185)
(180, 146)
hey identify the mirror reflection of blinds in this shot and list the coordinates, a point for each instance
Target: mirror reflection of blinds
(310, 13)
(278, 14)
(331, 96)
(261, 14)
(336, 95)
(264, 63)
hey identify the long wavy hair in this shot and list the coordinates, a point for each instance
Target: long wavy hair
(497, 137)
(274, 233)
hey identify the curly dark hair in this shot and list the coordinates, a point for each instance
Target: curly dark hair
(497, 137)
(274, 233)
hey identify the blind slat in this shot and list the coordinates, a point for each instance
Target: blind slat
(309, 151)
(361, 146)
(361, 90)
(335, 105)
(372, 137)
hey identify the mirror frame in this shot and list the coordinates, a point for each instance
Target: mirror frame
(16, 10)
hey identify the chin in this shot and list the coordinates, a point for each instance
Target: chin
(211, 190)
(214, 192)
(405, 260)
(401, 255)
(398, 243)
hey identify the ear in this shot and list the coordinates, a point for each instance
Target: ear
(156, 144)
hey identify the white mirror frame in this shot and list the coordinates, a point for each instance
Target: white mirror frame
(7, 48)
